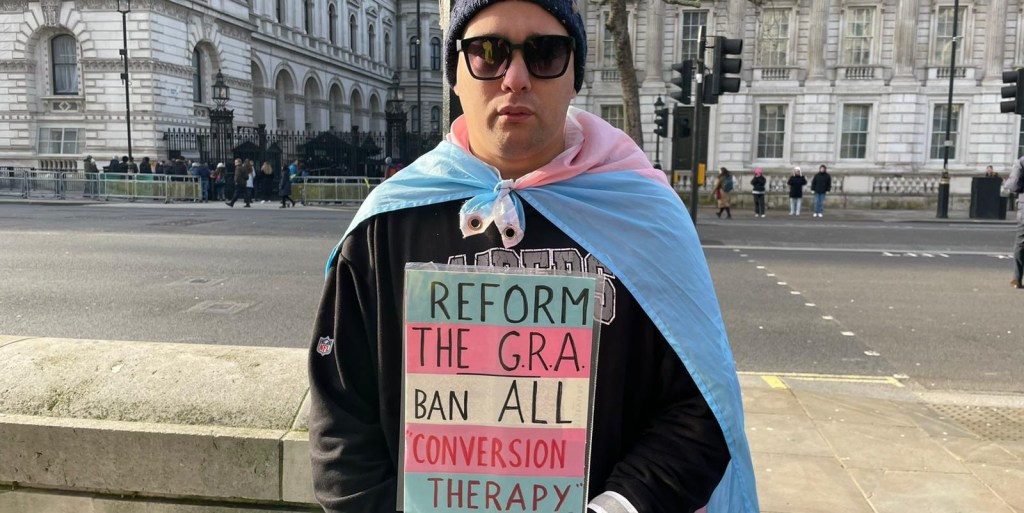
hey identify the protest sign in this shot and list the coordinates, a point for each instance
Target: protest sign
(498, 389)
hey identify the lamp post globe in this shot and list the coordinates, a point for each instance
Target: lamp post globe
(221, 91)
(124, 6)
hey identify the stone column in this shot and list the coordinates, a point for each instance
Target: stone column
(995, 39)
(734, 21)
(906, 38)
(655, 62)
(816, 40)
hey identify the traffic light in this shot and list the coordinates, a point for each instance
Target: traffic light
(1014, 93)
(661, 122)
(684, 81)
(718, 83)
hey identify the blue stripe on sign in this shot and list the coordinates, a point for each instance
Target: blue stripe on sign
(472, 493)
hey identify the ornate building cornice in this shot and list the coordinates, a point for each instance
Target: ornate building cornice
(8, 6)
(17, 65)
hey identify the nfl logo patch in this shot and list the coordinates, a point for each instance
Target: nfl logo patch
(325, 346)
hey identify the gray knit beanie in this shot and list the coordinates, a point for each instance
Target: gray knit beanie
(565, 11)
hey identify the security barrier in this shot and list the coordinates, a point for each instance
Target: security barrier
(98, 186)
(333, 189)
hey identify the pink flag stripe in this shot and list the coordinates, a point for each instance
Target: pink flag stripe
(498, 350)
(495, 450)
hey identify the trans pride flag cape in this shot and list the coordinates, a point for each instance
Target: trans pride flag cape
(631, 221)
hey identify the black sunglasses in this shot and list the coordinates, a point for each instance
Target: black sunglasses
(488, 57)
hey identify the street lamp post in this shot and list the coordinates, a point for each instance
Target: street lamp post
(658, 105)
(124, 7)
(943, 207)
(395, 113)
(221, 119)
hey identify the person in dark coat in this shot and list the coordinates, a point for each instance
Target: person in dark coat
(114, 166)
(145, 166)
(757, 186)
(820, 185)
(241, 175)
(796, 191)
(90, 176)
(285, 190)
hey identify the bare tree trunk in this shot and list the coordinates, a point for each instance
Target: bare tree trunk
(618, 25)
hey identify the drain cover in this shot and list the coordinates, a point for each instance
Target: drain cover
(996, 424)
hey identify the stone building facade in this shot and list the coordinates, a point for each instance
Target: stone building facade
(861, 86)
(290, 65)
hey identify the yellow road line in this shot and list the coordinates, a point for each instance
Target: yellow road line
(775, 379)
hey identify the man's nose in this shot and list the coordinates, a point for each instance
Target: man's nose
(517, 77)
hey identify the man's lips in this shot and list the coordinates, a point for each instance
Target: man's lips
(515, 112)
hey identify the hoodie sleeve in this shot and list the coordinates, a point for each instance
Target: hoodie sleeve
(352, 468)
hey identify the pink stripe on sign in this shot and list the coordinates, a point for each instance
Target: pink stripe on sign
(496, 451)
(498, 350)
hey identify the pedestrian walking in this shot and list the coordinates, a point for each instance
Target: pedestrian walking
(267, 181)
(241, 177)
(757, 186)
(1015, 184)
(284, 190)
(204, 181)
(218, 181)
(593, 202)
(250, 182)
(724, 185)
(821, 184)
(796, 191)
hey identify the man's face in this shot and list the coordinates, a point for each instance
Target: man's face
(515, 122)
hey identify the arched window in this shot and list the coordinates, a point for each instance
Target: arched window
(307, 19)
(414, 54)
(414, 119)
(332, 17)
(371, 42)
(197, 75)
(435, 53)
(352, 31)
(387, 48)
(435, 120)
(64, 57)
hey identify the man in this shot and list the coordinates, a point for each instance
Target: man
(820, 185)
(593, 203)
(90, 176)
(990, 172)
(1015, 184)
(241, 178)
(114, 166)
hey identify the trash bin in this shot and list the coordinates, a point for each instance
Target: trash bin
(985, 199)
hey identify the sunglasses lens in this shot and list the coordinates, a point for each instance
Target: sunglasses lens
(547, 56)
(486, 56)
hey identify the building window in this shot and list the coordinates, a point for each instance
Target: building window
(414, 119)
(58, 141)
(939, 131)
(944, 36)
(435, 120)
(854, 139)
(858, 36)
(690, 29)
(1020, 139)
(607, 42)
(307, 19)
(774, 42)
(435, 53)
(65, 65)
(279, 11)
(197, 75)
(614, 115)
(414, 54)
(352, 32)
(371, 41)
(332, 19)
(771, 132)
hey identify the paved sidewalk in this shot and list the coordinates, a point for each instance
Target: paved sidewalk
(880, 448)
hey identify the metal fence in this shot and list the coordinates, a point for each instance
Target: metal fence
(330, 153)
(44, 184)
